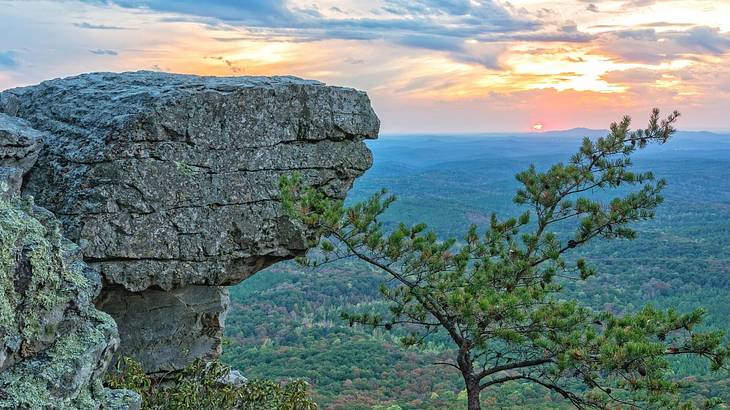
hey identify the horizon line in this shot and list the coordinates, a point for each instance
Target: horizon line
(720, 132)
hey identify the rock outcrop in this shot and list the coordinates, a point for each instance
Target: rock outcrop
(19, 147)
(169, 184)
(165, 329)
(55, 345)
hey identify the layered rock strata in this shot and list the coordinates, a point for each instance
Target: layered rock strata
(169, 184)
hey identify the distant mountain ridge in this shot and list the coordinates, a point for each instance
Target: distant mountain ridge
(589, 132)
(578, 132)
(573, 132)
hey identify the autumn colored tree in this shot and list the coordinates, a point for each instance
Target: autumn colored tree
(497, 294)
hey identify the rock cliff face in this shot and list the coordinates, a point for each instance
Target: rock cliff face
(169, 184)
(19, 147)
(54, 344)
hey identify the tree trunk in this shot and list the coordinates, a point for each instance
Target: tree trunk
(472, 393)
(463, 359)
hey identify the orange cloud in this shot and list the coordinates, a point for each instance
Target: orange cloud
(437, 68)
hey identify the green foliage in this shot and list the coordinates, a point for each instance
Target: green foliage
(285, 324)
(284, 321)
(495, 296)
(200, 386)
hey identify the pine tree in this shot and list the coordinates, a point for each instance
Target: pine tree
(497, 294)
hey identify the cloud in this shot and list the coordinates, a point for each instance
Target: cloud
(706, 39)
(311, 12)
(559, 36)
(655, 24)
(487, 60)
(628, 4)
(260, 12)
(8, 60)
(103, 52)
(436, 19)
(354, 61)
(90, 26)
(638, 3)
(639, 34)
(231, 65)
(429, 82)
(438, 25)
(486, 8)
(651, 47)
(641, 76)
(431, 42)
(445, 26)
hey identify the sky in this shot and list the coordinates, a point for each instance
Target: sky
(429, 66)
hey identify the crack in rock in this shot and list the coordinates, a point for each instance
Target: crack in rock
(170, 183)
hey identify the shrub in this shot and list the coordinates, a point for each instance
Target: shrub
(201, 386)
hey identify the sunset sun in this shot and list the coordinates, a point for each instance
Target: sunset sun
(537, 126)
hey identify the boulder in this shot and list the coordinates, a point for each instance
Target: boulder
(169, 183)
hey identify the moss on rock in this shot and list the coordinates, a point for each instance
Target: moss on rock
(55, 345)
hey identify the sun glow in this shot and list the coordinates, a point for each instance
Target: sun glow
(576, 66)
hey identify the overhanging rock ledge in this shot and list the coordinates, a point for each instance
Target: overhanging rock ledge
(169, 184)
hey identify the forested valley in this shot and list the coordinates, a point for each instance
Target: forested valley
(285, 321)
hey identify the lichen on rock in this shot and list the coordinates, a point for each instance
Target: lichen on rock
(170, 182)
(54, 344)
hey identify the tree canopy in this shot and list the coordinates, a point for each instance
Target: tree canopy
(497, 294)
